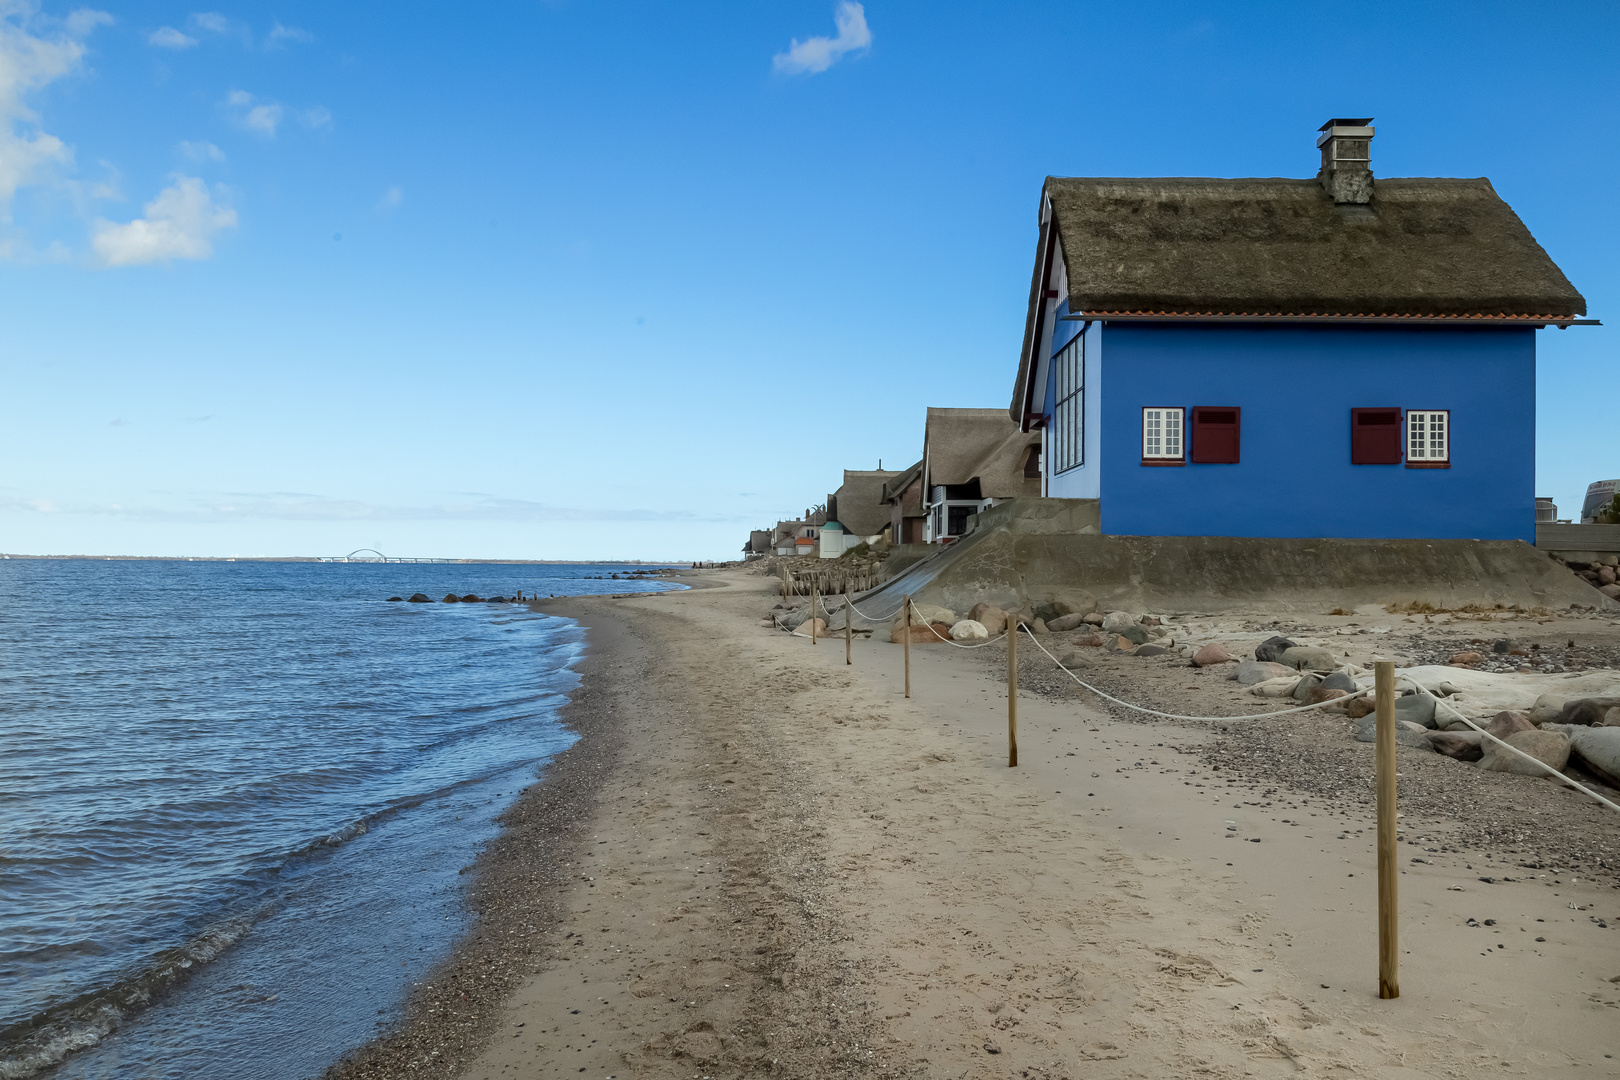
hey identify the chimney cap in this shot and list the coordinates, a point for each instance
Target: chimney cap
(1340, 121)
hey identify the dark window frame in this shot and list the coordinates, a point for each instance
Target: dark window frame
(1069, 406)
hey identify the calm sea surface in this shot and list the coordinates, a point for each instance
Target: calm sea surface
(236, 798)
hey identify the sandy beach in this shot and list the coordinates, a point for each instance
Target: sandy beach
(758, 860)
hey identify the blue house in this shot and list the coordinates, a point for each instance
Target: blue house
(1334, 357)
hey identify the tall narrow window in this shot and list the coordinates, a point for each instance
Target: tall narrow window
(1214, 435)
(1375, 436)
(1069, 414)
(1428, 437)
(1161, 436)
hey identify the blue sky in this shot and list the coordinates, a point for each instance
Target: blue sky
(570, 280)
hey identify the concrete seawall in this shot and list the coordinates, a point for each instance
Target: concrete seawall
(1033, 550)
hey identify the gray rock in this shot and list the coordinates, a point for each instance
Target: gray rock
(1462, 745)
(1418, 739)
(1547, 709)
(1549, 747)
(1271, 649)
(1095, 618)
(1303, 688)
(1115, 622)
(1590, 710)
(1066, 622)
(1250, 672)
(1132, 633)
(1305, 657)
(1151, 650)
(1416, 708)
(1502, 645)
(1340, 681)
(1599, 750)
(419, 598)
(969, 630)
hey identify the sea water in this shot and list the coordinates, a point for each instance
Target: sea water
(237, 799)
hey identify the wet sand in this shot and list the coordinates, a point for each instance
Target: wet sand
(760, 861)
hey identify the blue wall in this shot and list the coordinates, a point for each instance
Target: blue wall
(1296, 386)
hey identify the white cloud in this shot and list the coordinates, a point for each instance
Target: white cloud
(202, 150)
(279, 34)
(167, 37)
(316, 118)
(30, 61)
(820, 53)
(179, 224)
(212, 21)
(392, 199)
(259, 117)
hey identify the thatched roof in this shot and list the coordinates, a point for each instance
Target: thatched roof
(961, 445)
(1435, 250)
(1422, 246)
(860, 501)
(896, 487)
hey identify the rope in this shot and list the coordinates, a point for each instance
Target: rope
(1536, 761)
(1178, 716)
(958, 644)
(851, 604)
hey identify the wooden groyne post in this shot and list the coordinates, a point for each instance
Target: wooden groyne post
(1012, 692)
(1389, 980)
(906, 601)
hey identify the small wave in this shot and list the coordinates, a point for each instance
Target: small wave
(51, 1035)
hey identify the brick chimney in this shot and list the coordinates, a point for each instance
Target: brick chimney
(1346, 146)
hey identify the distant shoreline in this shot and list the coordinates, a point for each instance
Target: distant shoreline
(368, 562)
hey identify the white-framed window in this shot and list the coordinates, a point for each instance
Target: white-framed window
(1428, 435)
(1161, 434)
(1069, 413)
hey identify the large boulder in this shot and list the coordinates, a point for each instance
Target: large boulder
(1549, 747)
(1364, 705)
(1306, 684)
(1116, 621)
(1308, 658)
(1338, 680)
(1416, 709)
(1061, 623)
(1276, 688)
(992, 618)
(1547, 709)
(1612, 717)
(1249, 672)
(969, 630)
(1134, 634)
(1611, 591)
(1322, 692)
(418, 598)
(932, 613)
(1599, 750)
(451, 598)
(807, 628)
(1462, 745)
(1508, 722)
(1271, 649)
(1405, 734)
(1590, 710)
(1212, 654)
(1068, 603)
(1151, 649)
(1466, 659)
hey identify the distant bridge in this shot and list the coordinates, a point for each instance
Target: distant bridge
(372, 555)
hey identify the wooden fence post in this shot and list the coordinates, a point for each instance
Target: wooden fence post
(1012, 691)
(813, 599)
(1389, 982)
(906, 602)
(849, 625)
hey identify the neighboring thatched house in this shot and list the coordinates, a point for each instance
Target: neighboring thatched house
(903, 496)
(759, 542)
(1336, 357)
(973, 459)
(855, 512)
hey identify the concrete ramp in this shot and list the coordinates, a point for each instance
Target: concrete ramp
(1035, 550)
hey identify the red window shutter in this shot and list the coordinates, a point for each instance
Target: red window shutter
(1375, 436)
(1215, 434)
